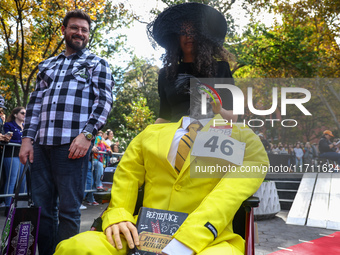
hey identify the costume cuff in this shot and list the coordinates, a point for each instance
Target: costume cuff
(176, 247)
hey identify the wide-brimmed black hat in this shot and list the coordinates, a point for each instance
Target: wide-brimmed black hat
(205, 20)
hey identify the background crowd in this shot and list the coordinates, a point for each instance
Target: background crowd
(302, 154)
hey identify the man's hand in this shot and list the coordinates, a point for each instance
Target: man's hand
(127, 229)
(79, 147)
(26, 150)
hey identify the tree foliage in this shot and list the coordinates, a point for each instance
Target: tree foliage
(138, 84)
(137, 120)
(300, 44)
(30, 32)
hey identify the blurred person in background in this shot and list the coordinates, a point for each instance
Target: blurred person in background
(298, 157)
(265, 143)
(291, 152)
(328, 148)
(308, 155)
(282, 149)
(13, 167)
(90, 181)
(109, 140)
(3, 137)
(99, 161)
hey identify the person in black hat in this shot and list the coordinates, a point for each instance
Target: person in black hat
(192, 35)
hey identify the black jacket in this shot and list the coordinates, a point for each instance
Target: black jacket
(324, 145)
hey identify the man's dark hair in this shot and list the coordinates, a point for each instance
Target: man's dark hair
(77, 13)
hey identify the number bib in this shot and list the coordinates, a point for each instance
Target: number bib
(217, 145)
(224, 130)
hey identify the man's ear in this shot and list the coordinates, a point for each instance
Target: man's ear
(63, 29)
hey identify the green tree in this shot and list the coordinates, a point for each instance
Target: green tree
(30, 32)
(139, 80)
(136, 121)
(301, 43)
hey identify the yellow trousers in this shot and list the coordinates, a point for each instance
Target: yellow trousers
(94, 242)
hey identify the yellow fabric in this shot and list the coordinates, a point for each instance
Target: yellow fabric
(184, 145)
(95, 243)
(90, 242)
(213, 200)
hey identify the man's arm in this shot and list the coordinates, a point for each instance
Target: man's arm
(128, 178)
(324, 146)
(102, 82)
(33, 109)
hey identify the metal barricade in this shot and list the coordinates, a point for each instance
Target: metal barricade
(7, 151)
(91, 173)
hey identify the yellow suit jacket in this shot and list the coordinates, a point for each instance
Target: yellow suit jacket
(213, 200)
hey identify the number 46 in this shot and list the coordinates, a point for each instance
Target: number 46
(226, 149)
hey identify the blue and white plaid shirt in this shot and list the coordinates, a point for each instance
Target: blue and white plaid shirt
(73, 94)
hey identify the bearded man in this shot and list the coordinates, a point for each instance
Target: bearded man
(71, 102)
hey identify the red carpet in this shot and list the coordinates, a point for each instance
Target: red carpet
(328, 245)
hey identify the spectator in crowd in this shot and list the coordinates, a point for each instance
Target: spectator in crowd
(302, 146)
(115, 149)
(99, 161)
(90, 181)
(100, 133)
(315, 150)
(337, 143)
(109, 140)
(298, 157)
(265, 142)
(308, 155)
(3, 137)
(282, 149)
(275, 149)
(327, 148)
(104, 136)
(13, 167)
(291, 152)
(71, 102)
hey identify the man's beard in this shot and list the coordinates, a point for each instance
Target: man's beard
(76, 46)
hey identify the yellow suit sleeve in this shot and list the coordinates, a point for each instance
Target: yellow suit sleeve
(129, 176)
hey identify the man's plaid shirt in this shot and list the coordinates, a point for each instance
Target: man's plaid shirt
(73, 94)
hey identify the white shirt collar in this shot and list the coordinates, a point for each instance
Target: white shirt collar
(186, 121)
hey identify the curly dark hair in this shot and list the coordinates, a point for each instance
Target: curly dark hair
(206, 54)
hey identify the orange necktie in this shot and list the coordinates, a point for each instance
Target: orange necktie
(185, 144)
